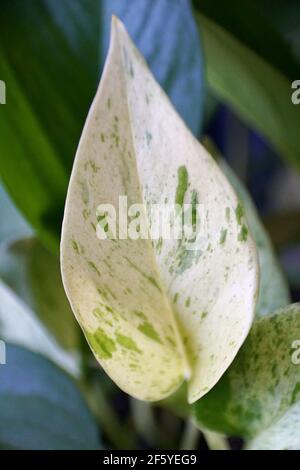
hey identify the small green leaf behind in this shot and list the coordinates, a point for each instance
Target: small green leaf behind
(174, 57)
(40, 406)
(258, 396)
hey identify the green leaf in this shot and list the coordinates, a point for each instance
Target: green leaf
(48, 95)
(253, 27)
(41, 122)
(260, 388)
(41, 155)
(20, 325)
(12, 223)
(40, 406)
(154, 311)
(256, 90)
(273, 288)
(33, 273)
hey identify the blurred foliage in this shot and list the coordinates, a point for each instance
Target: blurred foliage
(55, 44)
(12, 223)
(33, 273)
(40, 407)
(261, 385)
(237, 74)
(20, 325)
(273, 289)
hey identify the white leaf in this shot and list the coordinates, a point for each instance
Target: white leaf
(154, 313)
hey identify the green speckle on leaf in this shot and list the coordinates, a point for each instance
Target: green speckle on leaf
(159, 245)
(148, 137)
(86, 213)
(148, 330)
(185, 259)
(127, 343)
(243, 235)
(239, 213)
(93, 166)
(295, 393)
(203, 315)
(171, 341)
(182, 185)
(75, 247)
(85, 196)
(146, 276)
(223, 236)
(188, 302)
(109, 103)
(94, 267)
(103, 345)
(227, 214)
(194, 207)
(102, 137)
(115, 138)
(139, 314)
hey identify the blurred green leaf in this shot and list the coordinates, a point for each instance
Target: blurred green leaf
(262, 383)
(253, 26)
(50, 54)
(253, 87)
(33, 273)
(290, 258)
(273, 289)
(20, 325)
(40, 406)
(49, 61)
(12, 224)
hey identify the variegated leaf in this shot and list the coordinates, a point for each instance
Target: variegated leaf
(258, 394)
(282, 435)
(153, 311)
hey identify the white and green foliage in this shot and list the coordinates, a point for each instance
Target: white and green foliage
(154, 314)
(259, 394)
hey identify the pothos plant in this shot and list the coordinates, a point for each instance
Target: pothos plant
(207, 333)
(155, 313)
